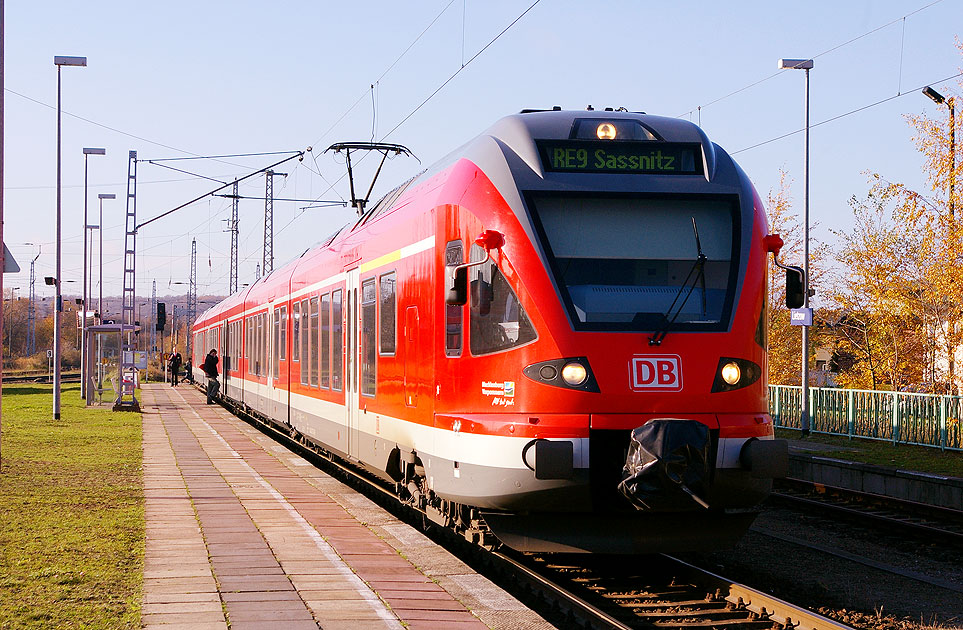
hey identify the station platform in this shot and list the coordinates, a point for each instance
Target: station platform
(813, 461)
(242, 533)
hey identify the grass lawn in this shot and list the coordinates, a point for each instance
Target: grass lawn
(906, 457)
(71, 513)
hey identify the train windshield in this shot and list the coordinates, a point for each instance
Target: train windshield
(634, 263)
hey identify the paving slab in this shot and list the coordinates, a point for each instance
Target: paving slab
(245, 534)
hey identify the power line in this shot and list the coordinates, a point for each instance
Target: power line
(458, 71)
(216, 157)
(849, 113)
(823, 53)
(430, 96)
(107, 127)
(383, 74)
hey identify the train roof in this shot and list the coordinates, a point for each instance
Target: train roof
(507, 152)
(517, 134)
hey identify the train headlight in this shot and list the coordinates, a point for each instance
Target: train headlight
(731, 373)
(606, 131)
(566, 372)
(574, 374)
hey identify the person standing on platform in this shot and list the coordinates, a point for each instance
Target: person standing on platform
(175, 367)
(189, 370)
(210, 369)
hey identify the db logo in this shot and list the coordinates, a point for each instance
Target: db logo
(661, 372)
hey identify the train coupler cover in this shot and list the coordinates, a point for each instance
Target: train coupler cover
(667, 466)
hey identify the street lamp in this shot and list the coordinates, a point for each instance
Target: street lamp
(83, 337)
(100, 249)
(937, 98)
(59, 61)
(807, 65)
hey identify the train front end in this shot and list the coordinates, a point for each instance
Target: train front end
(616, 316)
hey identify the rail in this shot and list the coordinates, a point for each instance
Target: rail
(897, 417)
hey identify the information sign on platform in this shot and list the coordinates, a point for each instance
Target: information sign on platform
(801, 316)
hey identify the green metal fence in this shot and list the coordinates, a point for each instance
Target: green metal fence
(898, 417)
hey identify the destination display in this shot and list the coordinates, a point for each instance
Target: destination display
(582, 156)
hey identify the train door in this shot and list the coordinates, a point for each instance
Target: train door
(352, 364)
(227, 360)
(413, 360)
(271, 367)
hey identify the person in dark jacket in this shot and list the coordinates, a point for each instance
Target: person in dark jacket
(210, 369)
(189, 370)
(175, 367)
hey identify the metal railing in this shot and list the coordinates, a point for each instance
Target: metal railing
(897, 417)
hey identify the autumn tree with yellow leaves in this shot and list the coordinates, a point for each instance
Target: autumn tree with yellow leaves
(900, 292)
(785, 340)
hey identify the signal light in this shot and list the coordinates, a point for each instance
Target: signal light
(794, 288)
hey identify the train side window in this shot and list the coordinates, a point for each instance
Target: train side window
(296, 331)
(497, 319)
(257, 345)
(337, 341)
(325, 341)
(454, 256)
(283, 347)
(368, 366)
(276, 355)
(253, 345)
(304, 342)
(260, 344)
(247, 340)
(265, 341)
(387, 312)
(313, 342)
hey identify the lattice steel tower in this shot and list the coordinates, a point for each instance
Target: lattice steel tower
(153, 319)
(192, 296)
(233, 228)
(267, 260)
(32, 312)
(128, 312)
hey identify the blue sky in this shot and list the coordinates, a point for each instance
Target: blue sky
(211, 78)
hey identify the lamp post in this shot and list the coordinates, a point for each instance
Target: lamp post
(100, 249)
(83, 336)
(807, 65)
(938, 98)
(59, 61)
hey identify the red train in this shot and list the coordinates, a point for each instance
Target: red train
(556, 335)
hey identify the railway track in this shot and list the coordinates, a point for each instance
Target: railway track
(662, 592)
(40, 378)
(932, 523)
(585, 591)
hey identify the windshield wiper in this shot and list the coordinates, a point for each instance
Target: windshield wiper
(698, 270)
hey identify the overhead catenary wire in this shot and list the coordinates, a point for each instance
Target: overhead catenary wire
(430, 96)
(816, 56)
(459, 70)
(845, 114)
(384, 74)
(103, 126)
(208, 194)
